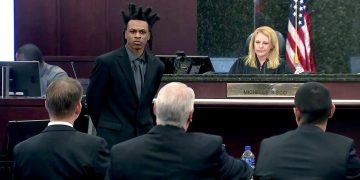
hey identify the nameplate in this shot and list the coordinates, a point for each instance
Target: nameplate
(262, 89)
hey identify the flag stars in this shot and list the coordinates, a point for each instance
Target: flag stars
(297, 10)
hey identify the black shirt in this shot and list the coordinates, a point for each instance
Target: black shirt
(239, 67)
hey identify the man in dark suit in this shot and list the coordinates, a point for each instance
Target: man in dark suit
(59, 151)
(309, 152)
(124, 82)
(168, 152)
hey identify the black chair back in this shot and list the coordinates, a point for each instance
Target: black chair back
(7, 170)
(17, 131)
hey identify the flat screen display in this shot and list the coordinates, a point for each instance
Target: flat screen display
(23, 78)
(186, 64)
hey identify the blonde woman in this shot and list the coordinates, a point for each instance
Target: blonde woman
(263, 56)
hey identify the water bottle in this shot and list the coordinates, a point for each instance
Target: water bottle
(248, 156)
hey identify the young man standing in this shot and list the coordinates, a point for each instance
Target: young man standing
(124, 82)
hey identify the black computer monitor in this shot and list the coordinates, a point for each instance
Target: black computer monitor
(175, 64)
(23, 78)
(222, 65)
(168, 60)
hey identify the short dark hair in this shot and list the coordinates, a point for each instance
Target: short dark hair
(31, 52)
(62, 96)
(313, 100)
(140, 14)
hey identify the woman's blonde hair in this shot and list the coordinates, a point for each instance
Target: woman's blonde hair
(274, 56)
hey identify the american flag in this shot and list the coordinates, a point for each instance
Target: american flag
(298, 44)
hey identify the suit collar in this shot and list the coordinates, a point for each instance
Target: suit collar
(309, 128)
(150, 73)
(121, 53)
(58, 128)
(124, 63)
(167, 128)
(133, 57)
(60, 123)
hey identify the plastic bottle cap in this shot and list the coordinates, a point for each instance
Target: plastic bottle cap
(247, 148)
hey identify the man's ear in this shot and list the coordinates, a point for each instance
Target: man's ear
(125, 34)
(190, 117)
(149, 36)
(332, 111)
(78, 108)
(297, 114)
(46, 105)
(154, 108)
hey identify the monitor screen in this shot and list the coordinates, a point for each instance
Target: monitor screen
(23, 78)
(186, 64)
(222, 65)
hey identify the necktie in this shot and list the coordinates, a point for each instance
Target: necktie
(138, 76)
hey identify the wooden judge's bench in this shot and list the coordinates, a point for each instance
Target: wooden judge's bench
(243, 109)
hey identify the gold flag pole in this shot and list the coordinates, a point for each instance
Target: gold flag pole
(297, 36)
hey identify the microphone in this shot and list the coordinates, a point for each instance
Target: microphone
(72, 66)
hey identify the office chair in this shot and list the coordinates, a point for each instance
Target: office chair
(17, 131)
(7, 170)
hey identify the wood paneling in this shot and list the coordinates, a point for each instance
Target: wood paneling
(93, 27)
(83, 27)
(36, 22)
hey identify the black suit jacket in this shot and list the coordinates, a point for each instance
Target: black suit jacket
(239, 67)
(307, 153)
(116, 111)
(61, 152)
(168, 152)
